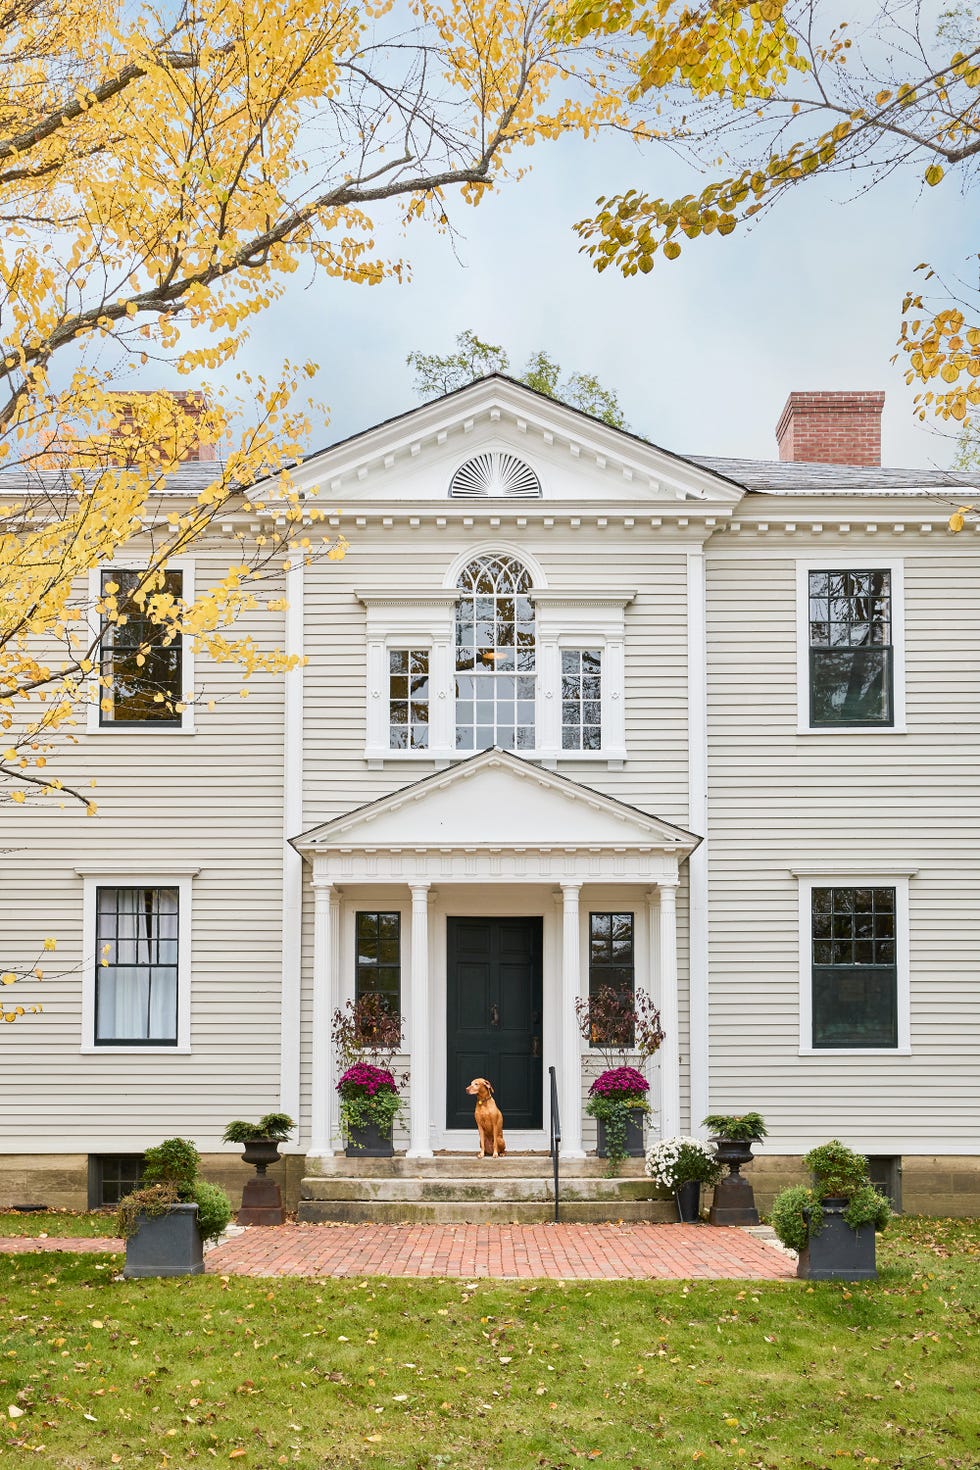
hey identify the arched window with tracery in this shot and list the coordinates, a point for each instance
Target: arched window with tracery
(495, 656)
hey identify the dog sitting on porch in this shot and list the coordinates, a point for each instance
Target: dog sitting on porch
(489, 1119)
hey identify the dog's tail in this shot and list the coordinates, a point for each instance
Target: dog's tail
(503, 1147)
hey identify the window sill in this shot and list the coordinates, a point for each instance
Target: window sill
(614, 759)
(182, 1050)
(862, 730)
(855, 1051)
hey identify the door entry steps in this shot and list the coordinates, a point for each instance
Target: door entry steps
(460, 1189)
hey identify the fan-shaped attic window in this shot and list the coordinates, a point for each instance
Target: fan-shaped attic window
(494, 473)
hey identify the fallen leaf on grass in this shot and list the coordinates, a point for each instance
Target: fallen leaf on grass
(14, 1412)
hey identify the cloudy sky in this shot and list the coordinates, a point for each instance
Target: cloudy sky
(702, 351)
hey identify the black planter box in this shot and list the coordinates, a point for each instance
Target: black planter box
(634, 1138)
(836, 1252)
(166, 1245)
(370, 1143)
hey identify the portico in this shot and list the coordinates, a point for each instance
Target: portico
(491, 841)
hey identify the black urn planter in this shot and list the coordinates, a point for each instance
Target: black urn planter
(370, 1142)
(838, 1252)
(633, 1146)
(165, 1245)
(734, 1202)
(261, 1197)
(688, 1199)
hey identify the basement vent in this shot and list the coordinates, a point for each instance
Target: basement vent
(494, 473)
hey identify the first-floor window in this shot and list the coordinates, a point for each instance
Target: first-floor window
(378, 958)
(408, 698)
(611, 962)
(854, 967)
(581, 698)
(136, 966)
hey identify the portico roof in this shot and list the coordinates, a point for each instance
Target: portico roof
(497, 802)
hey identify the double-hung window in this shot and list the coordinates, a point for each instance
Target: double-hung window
(581, 698)
(137, 945)
(408, 698)
(141, 659)
(378, 957)
(851, 621)
(855, 974)
(612, 965)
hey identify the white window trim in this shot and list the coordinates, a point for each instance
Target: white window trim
(124, 563)
(847, 878)
(836, 561)
(182, 881)
(428, 621)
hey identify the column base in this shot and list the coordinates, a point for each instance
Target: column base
(572, 1153)
(419, 1153)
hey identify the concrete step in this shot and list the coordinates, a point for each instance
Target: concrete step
(466, 1166)
(488, 1190)
(461, 1212)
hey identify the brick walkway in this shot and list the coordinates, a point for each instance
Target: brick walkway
(561, 1252)
(565, 1252)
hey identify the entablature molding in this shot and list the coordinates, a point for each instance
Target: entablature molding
(411, 865)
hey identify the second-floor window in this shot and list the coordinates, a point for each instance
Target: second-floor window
(851, 648)
(408, 698)
(495, 656)
(581, 698)
(141, 657)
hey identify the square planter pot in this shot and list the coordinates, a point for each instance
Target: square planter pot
(688, 1200)
(166, 1245)
(370, 1143)
(634, 1138)
(836, 1252)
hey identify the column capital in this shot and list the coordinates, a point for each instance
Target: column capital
(570, 886)
(322, 887)
(420, 890)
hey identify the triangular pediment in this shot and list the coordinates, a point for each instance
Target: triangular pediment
(496, 800)
(572, 457)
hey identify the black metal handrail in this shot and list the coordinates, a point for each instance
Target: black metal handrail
(555, 1132)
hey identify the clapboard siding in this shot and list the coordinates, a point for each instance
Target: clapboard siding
(779, 799)
(213, 798)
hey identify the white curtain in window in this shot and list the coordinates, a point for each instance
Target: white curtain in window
(137, 989)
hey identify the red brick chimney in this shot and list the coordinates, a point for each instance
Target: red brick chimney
(831, 428)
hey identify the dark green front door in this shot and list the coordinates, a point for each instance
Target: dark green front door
(494, 1018)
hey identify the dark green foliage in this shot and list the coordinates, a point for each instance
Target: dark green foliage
(273, 1127)
(615, 1114)
(170, 1178)
(736, 1127)
(837, 1170)
(838, 1173)
(174, 1161)
(213, 1209)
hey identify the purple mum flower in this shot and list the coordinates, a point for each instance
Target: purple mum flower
(365, 1080)
(620, 1082)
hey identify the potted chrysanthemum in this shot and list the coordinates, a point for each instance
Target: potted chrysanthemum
(625, 1029)
(682, 1165)
(617, 1101)
(366, 1035)
(369, 1105)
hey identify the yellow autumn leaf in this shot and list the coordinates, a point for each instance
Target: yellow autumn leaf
(934, 173)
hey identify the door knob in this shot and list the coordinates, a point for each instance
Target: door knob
(535, 1046)
(494, 1016)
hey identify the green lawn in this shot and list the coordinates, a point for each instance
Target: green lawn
(419, 1375)
(58, 1222)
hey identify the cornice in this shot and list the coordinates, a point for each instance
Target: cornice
(547, 597)
(408, 599)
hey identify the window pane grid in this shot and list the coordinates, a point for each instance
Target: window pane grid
(378, 957)
(495, 656)
(855, 975)
(141, 658)
(408, 698)
(136, 937)
(581, 698)
(611, 957)
(851, 655)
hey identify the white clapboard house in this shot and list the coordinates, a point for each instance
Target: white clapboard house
(574, 707)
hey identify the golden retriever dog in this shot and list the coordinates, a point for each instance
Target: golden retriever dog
(489, 1119)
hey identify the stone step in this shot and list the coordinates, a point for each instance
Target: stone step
(488, 1190)
(462, 1212)
(464, 1166)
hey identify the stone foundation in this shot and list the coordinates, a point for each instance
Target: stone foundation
(60, 1181)
(930, 1184)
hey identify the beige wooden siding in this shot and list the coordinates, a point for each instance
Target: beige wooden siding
(779, 799)
(213, 799)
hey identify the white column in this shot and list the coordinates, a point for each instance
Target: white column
(670, 1066)
(321, 1140)
(419, 1133)
(292, 863)
(570, 1072)
(697, 867)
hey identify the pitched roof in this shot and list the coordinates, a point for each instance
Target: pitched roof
(793, 477)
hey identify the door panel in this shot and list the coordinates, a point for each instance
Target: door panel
(494, 1015)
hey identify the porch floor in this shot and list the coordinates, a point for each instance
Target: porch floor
(604, 1252)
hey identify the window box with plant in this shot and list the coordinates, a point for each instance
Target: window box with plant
(625, 1028)
(366, 1033)
(733, 1135)
(682, 1165)
(832, 1223)
(167, 1220)
(261, 1197)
